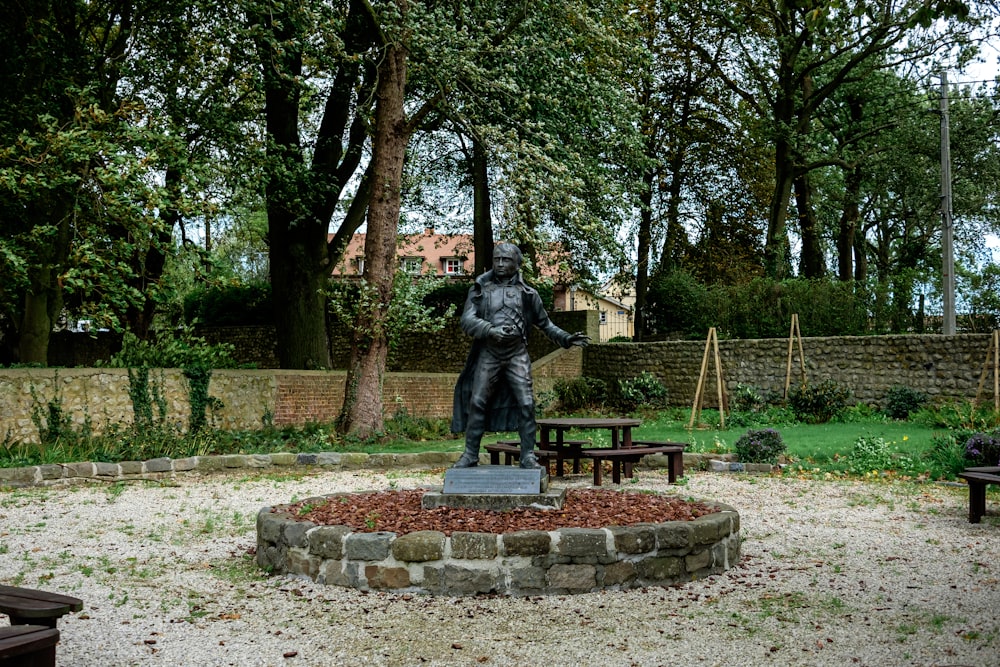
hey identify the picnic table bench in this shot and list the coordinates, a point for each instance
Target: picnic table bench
(27, 606)
(978, 479)
(28, 646)
(622, 456)
(511, 451)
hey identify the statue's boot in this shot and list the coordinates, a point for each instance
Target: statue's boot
(469, 458)
(527, 435)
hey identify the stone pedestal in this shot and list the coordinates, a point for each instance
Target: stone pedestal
(495, 488)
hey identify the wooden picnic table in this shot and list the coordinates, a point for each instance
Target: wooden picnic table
(620, 427)
(27, 606)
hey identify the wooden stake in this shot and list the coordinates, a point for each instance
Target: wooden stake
(711, 347)
(793, 335)
(992, 353)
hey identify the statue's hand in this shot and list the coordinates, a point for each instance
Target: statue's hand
(579, 339)
(501, 334)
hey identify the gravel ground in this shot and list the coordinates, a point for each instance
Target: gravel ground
(833, 573)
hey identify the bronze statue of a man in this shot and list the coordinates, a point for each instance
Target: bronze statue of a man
(494, 391)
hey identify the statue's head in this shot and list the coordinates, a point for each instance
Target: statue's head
(507, 259)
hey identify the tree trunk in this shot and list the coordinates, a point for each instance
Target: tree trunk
(848, 226)
(642, 258)
(776, 246)
(362, 413)
(811, 264)
(482, 220)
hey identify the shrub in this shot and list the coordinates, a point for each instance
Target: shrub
(817, 404)
(759, 446)
(946, 456)
(983, 449)
(870, 453)
(577, 393)
(901, 400)
(644, 390)
(230, 305)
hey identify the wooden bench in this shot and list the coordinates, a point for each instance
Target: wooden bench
(978, 479)
(28, 646)
(623, 457)
(512, 452)
(27, 606)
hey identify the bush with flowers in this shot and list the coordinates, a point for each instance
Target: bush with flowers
(983, 449)
(759, 446)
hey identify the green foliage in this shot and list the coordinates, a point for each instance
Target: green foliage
(181, 350)
(817, 404)
(228, 305)
(900, 401)
(946, 456)
(447, 296)
(643, 391)
(677, 302)
(870, 453)
(759, 446)
(580, 392)
(408, 311)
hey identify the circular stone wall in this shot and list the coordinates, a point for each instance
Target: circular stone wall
(530, 562)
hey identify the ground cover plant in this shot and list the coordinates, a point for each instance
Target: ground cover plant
(933, 443)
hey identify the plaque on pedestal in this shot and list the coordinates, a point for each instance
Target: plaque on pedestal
(495, 480)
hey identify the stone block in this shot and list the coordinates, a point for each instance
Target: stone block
(19, 476)
(130, 467)
(526, 543)
(305, 459)
(387, 578)
(328, 541)
(673, 535)
(84, 469)
(698, 560)
(419, 546)
(528, 578)
(50, 471)
(709, 528)
(572, 577)
(660, 569)
(185, 464)
(299, 561)
(268, 525)
(258, 461)
(210, 463)
(283, 459)
(473, 546)
(162, 464)
(460, 580)
(106, 469)
(294, 533)
(368, 546)
(329, 459)
(621, 573)
(583, 543)
(633, 539)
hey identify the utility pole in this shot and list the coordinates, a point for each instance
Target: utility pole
(947, 240)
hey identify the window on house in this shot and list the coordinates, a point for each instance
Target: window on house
(604, 317)
(411, 264)
(452, 266)
(359, 265)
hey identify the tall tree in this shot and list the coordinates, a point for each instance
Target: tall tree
(318, 68)
(781, 48)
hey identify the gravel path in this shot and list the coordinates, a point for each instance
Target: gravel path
(833, 573)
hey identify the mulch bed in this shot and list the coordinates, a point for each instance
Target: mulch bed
(400, 512)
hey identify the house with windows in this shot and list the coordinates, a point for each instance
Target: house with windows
(453, 255)
(428, 253)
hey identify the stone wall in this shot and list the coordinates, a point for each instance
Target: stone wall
(530, 562)
(942, 367)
